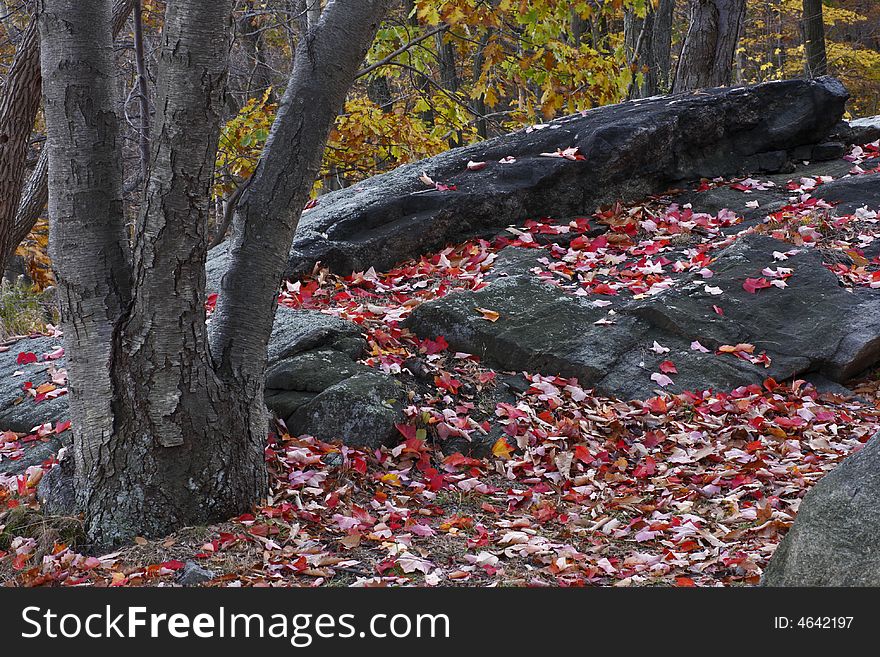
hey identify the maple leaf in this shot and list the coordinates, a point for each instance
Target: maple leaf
(668, 367)
(489, 315)
(26, 358)
(502, 449)
(752, 285)
(661, 379)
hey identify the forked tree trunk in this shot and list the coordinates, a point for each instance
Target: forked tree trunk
(707, 55)
(169, 422)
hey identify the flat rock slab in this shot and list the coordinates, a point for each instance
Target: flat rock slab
(18, 411)
(833, 541)
(632, 150)
(814, 325)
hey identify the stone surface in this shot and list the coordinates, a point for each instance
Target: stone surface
(18, 412)
(544, 329)
(833, 541)
(360, 410)
(193, 574)
(298, 331)
(632, 149)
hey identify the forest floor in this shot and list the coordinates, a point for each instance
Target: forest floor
(693, 489)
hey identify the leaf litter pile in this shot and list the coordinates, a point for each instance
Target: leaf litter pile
(694, 489)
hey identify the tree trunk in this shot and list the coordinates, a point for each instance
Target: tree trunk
(22, 203)
(18, 111)
(710, 44)
(648, 44)
(662, 44)
(814, 39)
(325, 64)
(169, 423)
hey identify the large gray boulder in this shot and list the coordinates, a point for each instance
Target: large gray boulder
(545, 329)
(631, 150)
(833, 541)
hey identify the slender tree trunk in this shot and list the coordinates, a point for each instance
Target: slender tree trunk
(268, 214)
(707, 55)
(638, 38)
(662, 44)
(814, 39)
(19, 104)
(648, 44)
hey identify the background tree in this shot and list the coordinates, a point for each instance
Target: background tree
(714, 27)
(814, 39)
(169, 419)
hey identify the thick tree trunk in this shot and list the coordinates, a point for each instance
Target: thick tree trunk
(21, 203)
(709, 47)
(88, 244)
(814, 39)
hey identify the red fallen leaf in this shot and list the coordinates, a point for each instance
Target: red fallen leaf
(668, 367)
(657, 405)
(174, 564)
(475, 166)
(311, 204)
(408, 431)
(458, 460)
(61, 427)
(434, 346)
(26, 358)
(447, 382)
(646, 469)
(582, 454)
(770, 384)
(211, 301)
(752, 285)
(684, 581)
(359, 464)
(754, 446)
(20, 561)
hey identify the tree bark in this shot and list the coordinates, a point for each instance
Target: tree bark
(814, 39)
(648, 44)
(169, 425)
(22, 203)
(88, 244)
(269, 211)
(710, 44)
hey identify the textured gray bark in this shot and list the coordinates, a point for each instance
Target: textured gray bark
(88, 244)
(168, 431)
(269, 211)
(22, 202)
(19, 103)
(648, 43)
(709, 46)
(814, 39)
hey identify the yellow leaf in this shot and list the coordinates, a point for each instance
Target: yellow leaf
(502, 449)
(490, 315)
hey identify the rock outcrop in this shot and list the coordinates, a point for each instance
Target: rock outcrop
(623, 151)
(833, 541)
